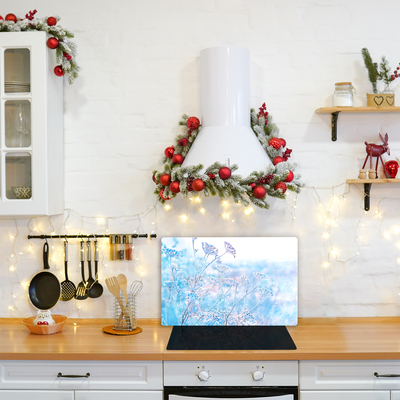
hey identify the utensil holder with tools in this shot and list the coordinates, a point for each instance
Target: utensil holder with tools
(125, 313)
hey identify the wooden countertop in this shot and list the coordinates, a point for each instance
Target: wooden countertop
(315, 338)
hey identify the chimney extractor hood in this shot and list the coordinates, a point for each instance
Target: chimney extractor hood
(226, 135)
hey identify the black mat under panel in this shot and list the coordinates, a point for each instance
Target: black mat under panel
(230, 338)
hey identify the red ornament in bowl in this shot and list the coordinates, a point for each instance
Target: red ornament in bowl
(391, 168)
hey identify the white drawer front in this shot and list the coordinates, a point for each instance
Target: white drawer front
(233, 373)
(118, 395)
(345, 395)
(35, 395)
(123, 375)
(348, 375)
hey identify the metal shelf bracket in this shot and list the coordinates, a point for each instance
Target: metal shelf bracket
(335, 117)
(367, 190)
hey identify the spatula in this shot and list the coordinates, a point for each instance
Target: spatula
(123, 284)
(68, 287)
(81, 290)
(115, 290)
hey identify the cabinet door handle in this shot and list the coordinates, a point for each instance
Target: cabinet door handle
(60, 375)
(386, 376)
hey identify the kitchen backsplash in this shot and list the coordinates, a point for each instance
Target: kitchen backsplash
(139, 74)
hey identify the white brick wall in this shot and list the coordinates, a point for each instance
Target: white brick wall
(139, 74)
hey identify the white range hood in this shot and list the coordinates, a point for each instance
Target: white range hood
(226, 135)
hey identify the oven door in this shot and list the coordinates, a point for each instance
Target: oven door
(231, 392)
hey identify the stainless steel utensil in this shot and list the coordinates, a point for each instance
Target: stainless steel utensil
(81, 290)
(97, 289)
(135, 288)
(68, 288)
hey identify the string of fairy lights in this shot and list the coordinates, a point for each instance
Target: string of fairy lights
(328, 216)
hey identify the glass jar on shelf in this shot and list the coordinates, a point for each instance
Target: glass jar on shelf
(343, 95)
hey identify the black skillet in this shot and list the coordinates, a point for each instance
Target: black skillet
(45, 289)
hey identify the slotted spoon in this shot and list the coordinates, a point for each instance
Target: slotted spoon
(68, 288)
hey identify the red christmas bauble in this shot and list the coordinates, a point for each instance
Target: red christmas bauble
(283, 142)
(253, 185)
(193, 123)
(58, 70)
(177, 159)
(174, 187)
(52, 43)
(289, 177)
(169, 151)
(51, 21)
(275, 143)
(281, 185)
(259, 192)
(391, 168)
(277, 160)
(154, 179)
(165, 179)
(198, 185)
(11, 17)
(161, 195)
(67, 56)
(225, 173)
(1, 18)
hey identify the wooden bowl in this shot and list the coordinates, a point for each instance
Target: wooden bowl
(60, 321)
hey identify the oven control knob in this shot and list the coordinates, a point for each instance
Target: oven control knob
(257, 375)
(204, 375)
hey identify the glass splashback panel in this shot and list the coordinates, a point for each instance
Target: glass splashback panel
(229, 281)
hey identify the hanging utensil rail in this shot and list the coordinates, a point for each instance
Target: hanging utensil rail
(134, 235)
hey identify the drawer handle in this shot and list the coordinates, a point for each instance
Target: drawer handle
(386, 376)
(60, 375)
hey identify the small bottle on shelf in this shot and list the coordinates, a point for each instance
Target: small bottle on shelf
(120, 247)
(113, 247)
(128, 247)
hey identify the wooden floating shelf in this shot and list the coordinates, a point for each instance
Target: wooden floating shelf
(367, 187)
(335, 111)
(330, 110)
(379, 180)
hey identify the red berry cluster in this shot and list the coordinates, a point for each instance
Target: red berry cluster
(189, 184)
(265, 180)
(263, 113)
(286, 154)
(396, 73)
(183, 142)
(30, 15)
(211, 176)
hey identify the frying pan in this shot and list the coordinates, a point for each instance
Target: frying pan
(45, 288)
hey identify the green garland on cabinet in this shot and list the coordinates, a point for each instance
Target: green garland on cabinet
(60, 40)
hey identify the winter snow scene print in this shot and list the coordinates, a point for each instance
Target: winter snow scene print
(229, 281)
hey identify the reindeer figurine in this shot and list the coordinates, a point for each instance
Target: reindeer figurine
(376, 150)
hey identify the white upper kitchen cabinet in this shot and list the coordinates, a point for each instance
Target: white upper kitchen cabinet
(31, 127)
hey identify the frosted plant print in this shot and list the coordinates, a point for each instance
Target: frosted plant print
(229, 281)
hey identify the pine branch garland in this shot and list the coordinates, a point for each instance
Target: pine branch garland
(63, 36)
(237, 187)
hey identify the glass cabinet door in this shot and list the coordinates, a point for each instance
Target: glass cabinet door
(16, 132)
(31, 126)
